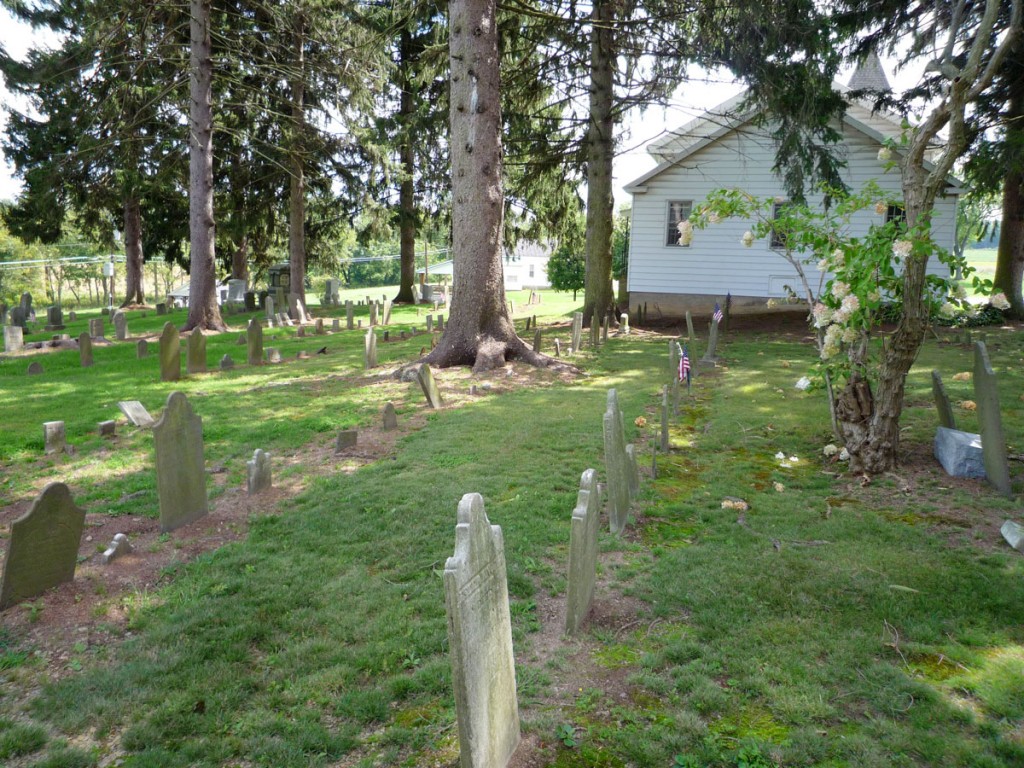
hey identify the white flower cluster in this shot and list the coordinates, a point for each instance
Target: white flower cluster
(685, 232)
(901, 249)
(747, 239)
(948, 309)
(884, 155)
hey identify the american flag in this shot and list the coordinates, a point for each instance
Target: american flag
(717, 317)
(684, 365)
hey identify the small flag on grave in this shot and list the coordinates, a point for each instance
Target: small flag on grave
(684, 366)
(717, 316)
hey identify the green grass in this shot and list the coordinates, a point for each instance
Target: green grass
(833, 625)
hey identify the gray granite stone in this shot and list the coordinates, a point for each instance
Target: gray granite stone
(347, 438)
(96, 327)
(180, 469)
(389, 417)
(118, 548)
(14, 338)
(195, 352)
(141, 349)
(85, 349)
(942, 404)
(959, 453)
(35, 368)
(990, 422)
(480, 640)
(107, 428)
(227, 363)
(258, 474)
(586, 519)
(43, 548)
(425, 377)
(170, 354)
(54, 437)
(136, 413)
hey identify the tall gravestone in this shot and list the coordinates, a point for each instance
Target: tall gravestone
(85, 349)
(615, 465)
(586, 518)
(689, 327)
(370, 349)
(180, 471)
(268, 306)
(120, 325)
(195, 352)
(258, 477)
(387, 312)
(254, 342)
(480, 640)
(664, 420)
(26, 306)
(426, 379)
(577, 331)
(170, 354)
(710, 355)
(942, 404)
(990, 423)
(349, 314)
(373, 313)
(14, 338)
(43, 548)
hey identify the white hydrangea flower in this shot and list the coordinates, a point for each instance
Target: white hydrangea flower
(947, 309)
(838, 257)
(901, 248)
(884, 155)
(830, 450)
(874, 295)
(840, 289)
(685, 232)
(851, 303)
(747, 239)
(881, 207)
(822, 315)
(850, 335)
(960, 293)
(803, 384)
(823, 265)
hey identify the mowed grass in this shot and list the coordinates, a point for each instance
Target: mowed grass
(832, 624)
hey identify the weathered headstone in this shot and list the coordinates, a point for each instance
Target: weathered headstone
(258, 476)
(335, 323)
(85, 349)
(582, 552)
(537, 340)
(120, 325)
(249, 301)
(386, 312)
(390, 418)
(577, 331)
(595, 330)
(54, 319)
(710, 355)
(273, 355)
(18, 317)
(300, 332)
(632, 471)
(293, 307)
(959, 453)
(141, 349)
(35, 368)
(54, 437)
(430, 323)
(136, 413)
(624, 324)
(180, 471)
(1014, 534)
(170, 353)
(26, 306)
(107, 428)
(349, 314)
(370, 349)
(664, 419)
(480, 640)
(43, 548)
(990, 423)
(195, 352)
(318, 326)
(268, 307)
(347, 438)
(161, 308)
(942, 404)
(615, 465)
(72, 316)
(689, 326)
(96, 327)
(14, 338)
(254, 339)
(440, 322)
(118, 547)
(227, 363)
(426, 379)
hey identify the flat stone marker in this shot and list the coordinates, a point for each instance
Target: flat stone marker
(226, 363)
(426, 379)
(615, 461)
(54, 437)
(942, 404)
(480, 640)
(390, 418)
(180, 471)
(106, 428)
(1014, 535)
(118, 547)
(14, 338)
(586, 518)
(35, 368)
(273, 355)
(195, 352)
(85, 349)
(141, 349)
(347, 438)
(990, 423)
(370, 350)
(120, 325)
(170, 354)
(258, 476)
(96, 327)
(960, 453)
(43, 547)
(136, 413)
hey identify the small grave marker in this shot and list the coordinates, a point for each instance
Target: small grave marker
(120, 325)
(258, 477)
(106, 428)
(54, 437)
(226, 363)
(35, 368)
(118, 547)
(347, 438)
(141, 349)
(390, 418)
(136, 413)
(96, 327)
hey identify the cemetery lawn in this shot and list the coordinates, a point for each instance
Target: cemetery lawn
(839, 621)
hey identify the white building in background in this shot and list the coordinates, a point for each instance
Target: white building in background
(725, 149)
(525, 268)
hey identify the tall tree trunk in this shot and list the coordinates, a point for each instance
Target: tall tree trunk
(240, 260)
(406, 198)
(597, 291)
(135, 292)
(479, 332)
(203, 311)
(1010, 255)
(297, 178)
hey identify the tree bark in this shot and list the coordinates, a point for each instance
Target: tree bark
(297, 178)
(407, 198)
(479, 332)
(597, 292)
(1010, 254)
(135, 292)
(240, 261)
(203, 311)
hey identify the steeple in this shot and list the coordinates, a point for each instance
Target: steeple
(869, 76)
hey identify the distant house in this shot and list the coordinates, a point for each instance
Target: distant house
(525, 268)
(724, 149)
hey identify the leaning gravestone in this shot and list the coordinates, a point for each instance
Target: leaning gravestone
(942, 404)
(993, 444)
(710, 355)
(195, 352)
(14, 338)
(387, 313)
(54, 437)
(170, 354)
(85, 349)
(1014, 534)
(180, 472)
(258, 477)
(426, 379)
(120, 325)
(43, 547)
(480, 640)
(136, 413)
(689, 327)
(254, 337)
(615, 461)
(141, 349)
(370, 350)
(582, 552)
(390, 418)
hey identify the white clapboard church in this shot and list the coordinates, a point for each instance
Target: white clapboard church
(723, 148)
